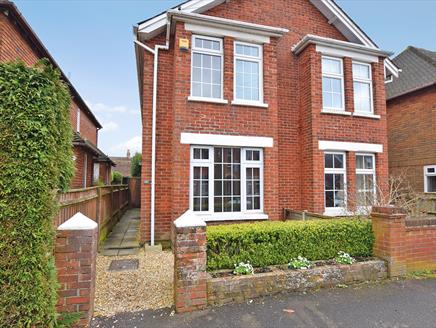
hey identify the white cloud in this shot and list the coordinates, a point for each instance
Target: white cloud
(134, 145)
(110, 126)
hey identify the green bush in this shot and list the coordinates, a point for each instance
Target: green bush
(135, 165)
(117, 178)
(36, 160)
(274, 243)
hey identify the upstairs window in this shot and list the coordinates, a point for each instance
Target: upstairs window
(365, 179)
(248, 72)
(362, 86)
(207, 63)
(430, 178)
(332, 84)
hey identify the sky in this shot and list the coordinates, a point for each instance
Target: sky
(92, 41)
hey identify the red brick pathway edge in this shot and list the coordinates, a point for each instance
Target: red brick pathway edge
(75, 261)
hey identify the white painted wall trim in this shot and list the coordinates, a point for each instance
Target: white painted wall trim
(332, 51)
(225, 140)
(350, 146)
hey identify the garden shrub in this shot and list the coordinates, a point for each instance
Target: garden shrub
(36, 161)
(117, 178)
(274, 243)
(135, 165)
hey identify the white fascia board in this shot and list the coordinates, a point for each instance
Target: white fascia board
(225, 140)
(221, 32)
(350, 146)
(335, 52)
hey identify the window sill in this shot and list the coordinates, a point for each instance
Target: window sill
(209, 100)
(335, 112)
(336, 211)
(233, 216)
(373, 116)
(248, 103)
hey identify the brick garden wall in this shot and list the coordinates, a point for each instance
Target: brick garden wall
(293, 168)
(412, 135)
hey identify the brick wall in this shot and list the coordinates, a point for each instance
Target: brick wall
(407, 245)
(75, 260)
(293, 168)
(412, 135)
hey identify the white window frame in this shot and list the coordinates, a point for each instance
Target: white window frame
(210, 164)
(96, 172)
(211, 52)
(335, 76)
(367, 172)
(258, 60)
(78, 120)
(367, 81)
(426, 174)
(85, 173)
(335, 211)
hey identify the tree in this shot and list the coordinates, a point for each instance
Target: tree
(135, 165)
(36, 161)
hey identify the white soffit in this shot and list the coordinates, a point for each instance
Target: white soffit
(225, 140)
(350, 146)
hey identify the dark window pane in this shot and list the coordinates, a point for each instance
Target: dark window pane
(218, 155)
(218, 188)
(249, 155)
(218, 207)
(236, 188)
(205, 188)
(339, 182)
(218, 171)
(249, 173)
(205, 153)
(360, 183)
(431, 184)
(236, 204)
(368, 162)
(256, 205)
(227, 206)
(257, 188)
(256, 155)
(197, 153)
(227, 155)
(236, 155)
(236, 171)
(197, 204)
(328, 160)
(339, 161)
(256, 173)
(227, 188)
(329, 202)
(361, 198)
(227, 171)
(197, 172)
(339, 199)
(329, 182)
(196, 188)
(249, 187)
(359, 162)
(249, 203)
(369, 183)
(205, 204)
(205, 173)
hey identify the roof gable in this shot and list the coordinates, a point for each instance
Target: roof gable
(418, 71)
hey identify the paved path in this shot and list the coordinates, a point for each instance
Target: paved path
(123, 240)
(398, 304)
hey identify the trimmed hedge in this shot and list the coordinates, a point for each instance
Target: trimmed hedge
(35, 161)
(274, 243)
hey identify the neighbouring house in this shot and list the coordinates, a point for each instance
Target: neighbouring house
(19, 42)
(253, 106)
(123, 164)
(411, 107)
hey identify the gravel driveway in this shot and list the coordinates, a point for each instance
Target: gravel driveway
(148, 287)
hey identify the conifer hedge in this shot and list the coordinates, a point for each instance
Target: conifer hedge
(35, 161)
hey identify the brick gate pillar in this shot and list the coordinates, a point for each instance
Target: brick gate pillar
(190, 277)
(75, 260)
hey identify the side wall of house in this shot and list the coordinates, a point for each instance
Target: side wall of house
(412, 135)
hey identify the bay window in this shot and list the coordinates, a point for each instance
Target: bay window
(365, 179)
(248, 72)
(334, 183)
(226, 179)
(207, 72)
(362, 86)
(332, 84)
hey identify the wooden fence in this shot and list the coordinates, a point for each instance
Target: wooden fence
(135, 191)
(105, 205)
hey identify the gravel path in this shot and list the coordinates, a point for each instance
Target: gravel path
(148, 287)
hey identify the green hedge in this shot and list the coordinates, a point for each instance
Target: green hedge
(35, 161)
(273, 243)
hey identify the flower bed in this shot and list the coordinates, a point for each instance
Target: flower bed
(224, 287)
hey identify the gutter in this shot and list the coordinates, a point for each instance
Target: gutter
(155, 53)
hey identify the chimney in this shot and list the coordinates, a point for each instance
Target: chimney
(128, 153)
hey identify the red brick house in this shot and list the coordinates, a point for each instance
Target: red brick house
(411, 107)
(19, 42)
(252, 106)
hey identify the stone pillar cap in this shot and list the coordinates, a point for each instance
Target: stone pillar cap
(78, 221)
(189, 219)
